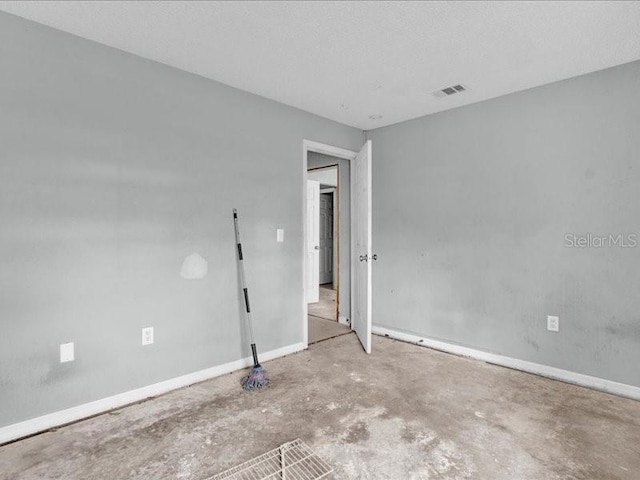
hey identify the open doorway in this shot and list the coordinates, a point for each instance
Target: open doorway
(351, 270)
(323, 217)
(327, 217)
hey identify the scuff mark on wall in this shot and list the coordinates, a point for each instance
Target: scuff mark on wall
(194, 267)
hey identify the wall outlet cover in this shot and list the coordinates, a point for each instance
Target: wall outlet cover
(280, 235)
(553, 323)
(66, 352)
(147, 336)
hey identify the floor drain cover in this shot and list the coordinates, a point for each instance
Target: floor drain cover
(291, 461)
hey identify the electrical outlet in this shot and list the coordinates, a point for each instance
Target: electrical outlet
(553, 323)
(147, 336)
(66, 352)
(280, 235)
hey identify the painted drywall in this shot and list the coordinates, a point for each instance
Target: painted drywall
(471, 209)
(327, 177)
(113, 170)
(316, 160)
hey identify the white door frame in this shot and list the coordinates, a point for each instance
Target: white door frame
(311, 146)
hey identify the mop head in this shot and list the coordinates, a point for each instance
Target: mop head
(256, 379)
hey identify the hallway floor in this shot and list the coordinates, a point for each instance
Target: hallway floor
(326, 307)
(322, 329)
(404, 412)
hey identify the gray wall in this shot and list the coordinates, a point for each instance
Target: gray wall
(316, 160)
(112, 170)
(470, 211)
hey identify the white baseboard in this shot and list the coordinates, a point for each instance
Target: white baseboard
(344, 320)
(62, 417)
(588, 381)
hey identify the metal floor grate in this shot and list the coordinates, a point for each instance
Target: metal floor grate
(291, 461)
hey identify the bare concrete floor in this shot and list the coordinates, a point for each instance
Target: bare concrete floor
(405, 412)
(322, 329)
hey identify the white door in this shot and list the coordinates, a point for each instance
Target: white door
(361, 257)
(313, 241)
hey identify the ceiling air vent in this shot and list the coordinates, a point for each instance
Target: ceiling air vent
(452, 90)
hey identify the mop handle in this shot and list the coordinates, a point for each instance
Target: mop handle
(245, 290)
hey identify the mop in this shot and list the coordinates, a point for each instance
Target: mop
(258, 377)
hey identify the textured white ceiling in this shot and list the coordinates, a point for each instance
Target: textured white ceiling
(350, 60)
